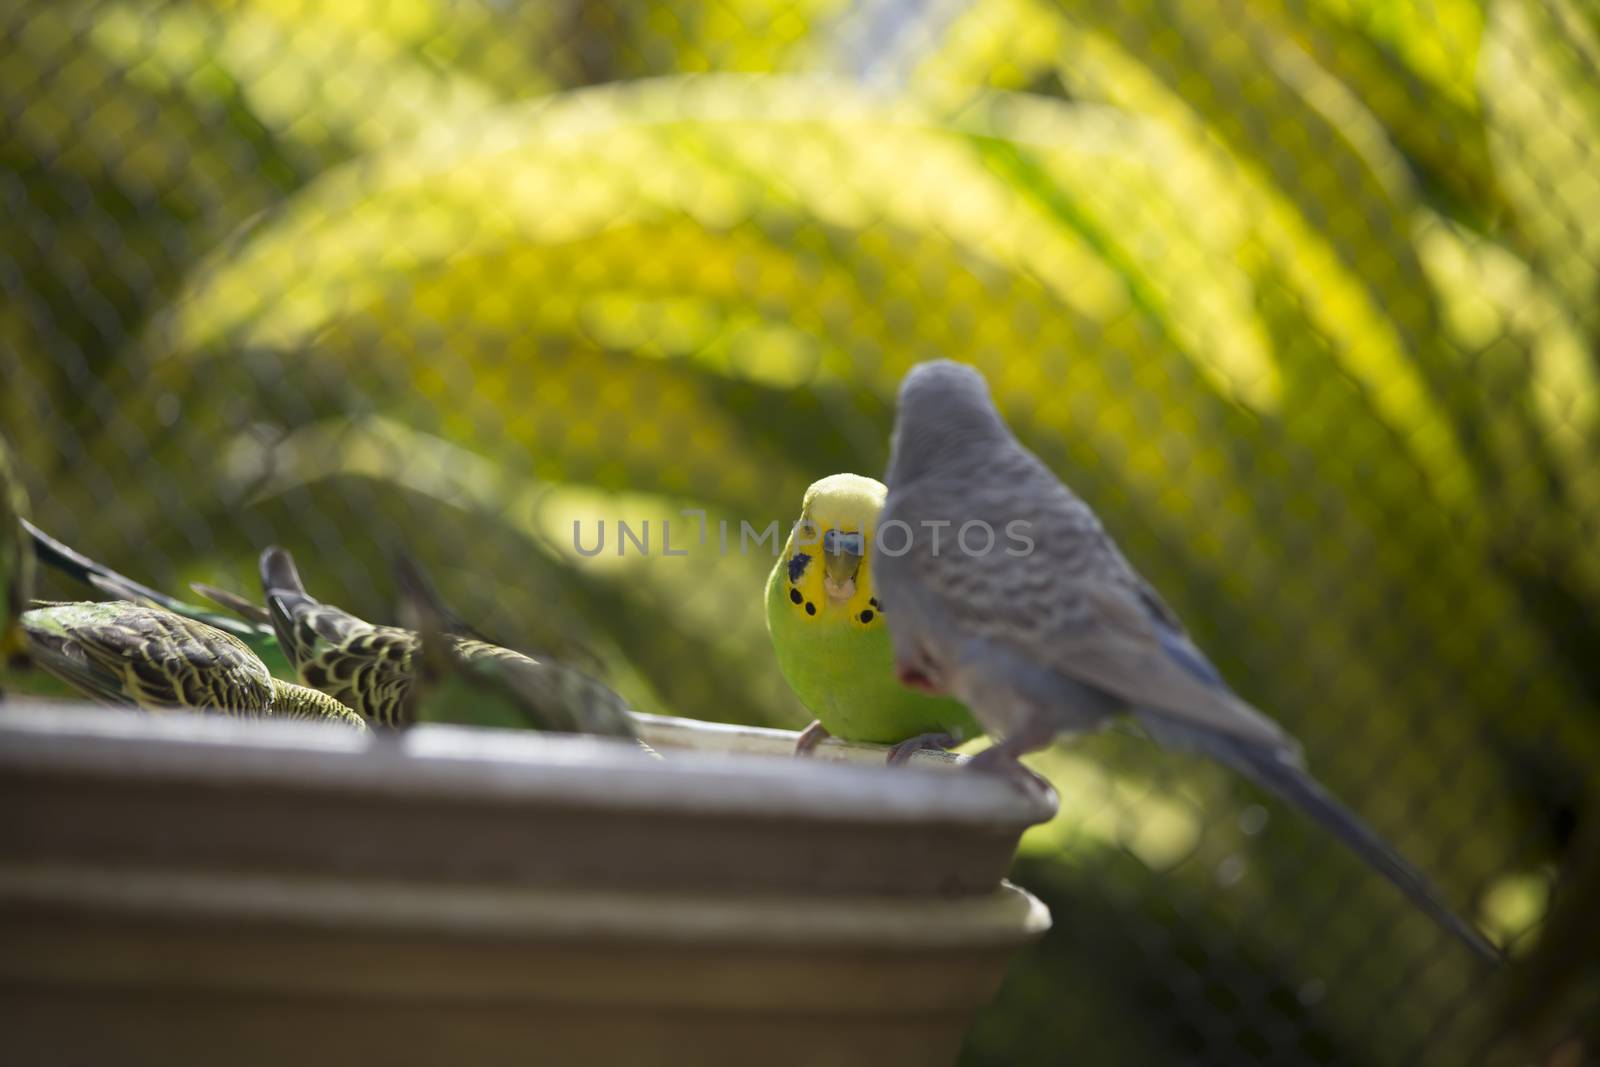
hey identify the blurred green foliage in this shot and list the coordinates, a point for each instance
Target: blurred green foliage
(1301, 294)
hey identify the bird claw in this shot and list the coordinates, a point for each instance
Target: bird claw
(1031, 784)
(810, 738)
(903, 751)
(998, 760)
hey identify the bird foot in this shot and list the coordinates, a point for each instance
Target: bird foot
(999, 760)
(994, 759)
(904, 750)
(810, 738)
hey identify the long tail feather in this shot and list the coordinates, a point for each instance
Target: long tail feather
(1291, 782)
(1279, 771)
(284, 594)
(75, 565)
(81, 568)
(279, 574)
(233, 602)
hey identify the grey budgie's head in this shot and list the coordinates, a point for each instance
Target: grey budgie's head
(943, 412)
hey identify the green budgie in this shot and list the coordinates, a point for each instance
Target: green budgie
(395, 677)
(827, 627)
(1037, 620)
(16, 558)
(252, 628)
(132, 654)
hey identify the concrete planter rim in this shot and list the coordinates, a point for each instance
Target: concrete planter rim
(448, 763)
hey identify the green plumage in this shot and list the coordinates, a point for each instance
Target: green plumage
(250, 627)
(130, 654)
(291, 701)
(395, 677)
(16, 559)
(834, 649)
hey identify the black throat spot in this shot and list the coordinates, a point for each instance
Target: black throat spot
(797, 566)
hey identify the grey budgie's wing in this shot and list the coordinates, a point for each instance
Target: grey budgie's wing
(1070, 603)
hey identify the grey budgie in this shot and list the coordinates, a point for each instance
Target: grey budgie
(1036, 620)
(133, 654)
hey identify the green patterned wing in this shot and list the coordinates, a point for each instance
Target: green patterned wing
(366, 668)
(124, 653)
(370, 672)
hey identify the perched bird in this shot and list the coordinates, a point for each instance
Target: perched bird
(395, 677)
(16, 558)
(828, 630)
(132, 654)
(1039, 624)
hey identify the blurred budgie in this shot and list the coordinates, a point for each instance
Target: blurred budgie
(828, 631)
(389, 676)
(499, 686)
(16, 557)
(132, 654)
(1033, 617)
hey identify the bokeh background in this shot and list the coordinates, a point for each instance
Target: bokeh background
(1302, 295)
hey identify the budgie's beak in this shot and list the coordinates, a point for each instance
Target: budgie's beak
(841, 559)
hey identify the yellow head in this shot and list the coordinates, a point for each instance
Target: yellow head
(829, 553)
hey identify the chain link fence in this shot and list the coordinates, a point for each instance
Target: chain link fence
(1302, 295)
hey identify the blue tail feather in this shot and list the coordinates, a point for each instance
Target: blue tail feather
(1279, 772)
